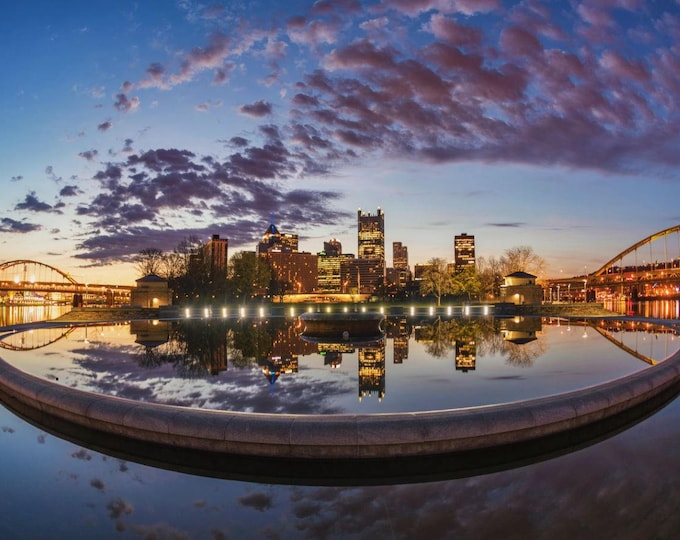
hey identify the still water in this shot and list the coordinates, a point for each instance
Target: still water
(268, 366)
(626, 486)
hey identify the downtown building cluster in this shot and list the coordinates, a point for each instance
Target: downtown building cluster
(332, 271)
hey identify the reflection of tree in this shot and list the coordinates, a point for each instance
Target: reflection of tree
(523, 355)
(440, 339)
(437, 338)
(194, 348)
(491, 342)
(441, 336)
(251, 342)
(198, 348)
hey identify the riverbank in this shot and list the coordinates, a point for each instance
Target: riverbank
(567, 310)
(86, 314)
(127, 313)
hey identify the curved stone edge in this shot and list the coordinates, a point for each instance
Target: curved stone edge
(340, 436)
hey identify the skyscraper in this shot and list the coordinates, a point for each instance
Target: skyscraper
(464, 251)
(371, 235)
(216, 256)
(399, 256)
(332, 247)
(274, 241)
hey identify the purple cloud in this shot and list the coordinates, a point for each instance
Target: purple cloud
(89, 155)
(235, 195)
(125, 104)
(9, 225)
(33, 204)
(258, 109)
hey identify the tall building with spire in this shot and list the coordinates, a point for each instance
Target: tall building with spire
(273, 241)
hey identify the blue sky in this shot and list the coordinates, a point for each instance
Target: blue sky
(130, 125)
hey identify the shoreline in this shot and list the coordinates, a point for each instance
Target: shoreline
(573, 310)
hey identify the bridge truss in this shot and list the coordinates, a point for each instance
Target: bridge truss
(27, 282)
(649, 269)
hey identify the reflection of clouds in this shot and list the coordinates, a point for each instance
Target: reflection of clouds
(98, 484)
(113, 372)
(594, 493)
(82, 454)
(160, 530)
(258, 501)
(118, 508)
(624, 487)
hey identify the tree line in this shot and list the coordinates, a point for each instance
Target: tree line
(192, 278)
(482, 280)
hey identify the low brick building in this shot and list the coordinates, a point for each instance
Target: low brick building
(521, 288)
(151, 292)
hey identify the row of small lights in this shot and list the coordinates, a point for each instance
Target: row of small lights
(242, 313)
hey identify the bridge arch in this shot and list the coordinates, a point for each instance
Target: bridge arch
(648, 240)
(42, 269)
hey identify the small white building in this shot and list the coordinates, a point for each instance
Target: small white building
(151, 292)
(521, 288)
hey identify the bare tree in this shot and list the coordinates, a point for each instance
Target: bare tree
(522, 259)
(491, 271)
(174, 265)
(149, 261)
(490, 276)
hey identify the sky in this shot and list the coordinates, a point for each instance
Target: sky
(129, 125)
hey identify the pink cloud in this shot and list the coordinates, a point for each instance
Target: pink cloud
(518, 42)
(620, 67)
(455, 33)
(466, 7)
(358, 55)
(314, 32)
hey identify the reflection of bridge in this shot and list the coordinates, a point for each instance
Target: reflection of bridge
(35, 339)
(649, 269)
(30, 282)
(648, 342)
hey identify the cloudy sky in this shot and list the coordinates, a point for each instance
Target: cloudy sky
(128, 125)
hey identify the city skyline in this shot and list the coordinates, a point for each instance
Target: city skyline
(548, 124)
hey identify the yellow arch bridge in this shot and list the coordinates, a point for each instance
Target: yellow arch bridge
(26, 282)
(649, 269)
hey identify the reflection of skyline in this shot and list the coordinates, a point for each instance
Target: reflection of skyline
(398, 329)
(372, 370)
(466, 355)
(220, 364)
